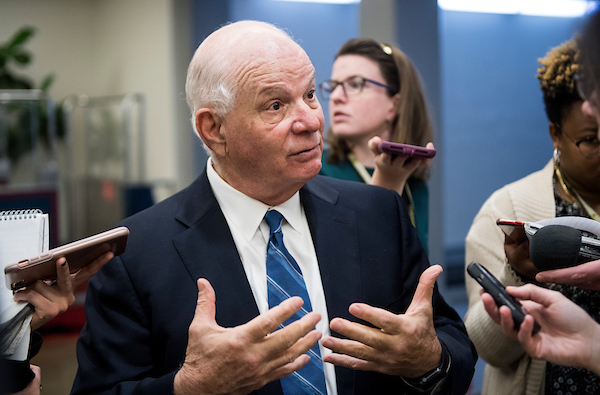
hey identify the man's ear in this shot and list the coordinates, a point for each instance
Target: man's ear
(208, 125)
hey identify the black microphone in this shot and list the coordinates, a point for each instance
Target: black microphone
(560, 246)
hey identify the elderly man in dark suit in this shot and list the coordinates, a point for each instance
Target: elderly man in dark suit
(191, 308)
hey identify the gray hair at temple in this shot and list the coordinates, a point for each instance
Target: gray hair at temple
(211, 80)
(590, 58)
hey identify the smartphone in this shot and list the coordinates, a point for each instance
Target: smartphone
(412, 151)
(495, 288)
(78, 253)
(508, 226)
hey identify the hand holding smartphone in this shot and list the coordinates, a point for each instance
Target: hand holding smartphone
(509, 226)
(411, 151)
(495, 288)
(78, 254)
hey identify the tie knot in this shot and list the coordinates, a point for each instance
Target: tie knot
(274, 218)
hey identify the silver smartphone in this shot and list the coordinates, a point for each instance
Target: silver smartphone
(78, 253)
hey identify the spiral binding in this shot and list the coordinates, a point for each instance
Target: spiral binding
(14, 215)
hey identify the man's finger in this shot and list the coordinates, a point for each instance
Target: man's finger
(378, 317)
(284, 347)
(289, 368)
(205, 305)
(272, 319)
(424, 293)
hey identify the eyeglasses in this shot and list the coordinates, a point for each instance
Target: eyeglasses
(351, 86)
(589, 146)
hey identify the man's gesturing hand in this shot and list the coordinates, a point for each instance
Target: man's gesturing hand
(242, 359)
(406, 345)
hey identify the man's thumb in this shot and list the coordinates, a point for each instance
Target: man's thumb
(424, 292)
(205, 306)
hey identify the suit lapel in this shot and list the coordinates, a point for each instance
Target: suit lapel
(335, 236)
(207, 250)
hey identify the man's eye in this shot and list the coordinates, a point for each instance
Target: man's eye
(275, 106)
(311, 94)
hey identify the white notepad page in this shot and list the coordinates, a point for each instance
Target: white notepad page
(23, 233)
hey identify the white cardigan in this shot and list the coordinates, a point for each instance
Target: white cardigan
(509, 369)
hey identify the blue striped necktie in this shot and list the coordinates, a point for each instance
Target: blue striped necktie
(284, 280)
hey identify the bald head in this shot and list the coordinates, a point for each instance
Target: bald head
(214, 72)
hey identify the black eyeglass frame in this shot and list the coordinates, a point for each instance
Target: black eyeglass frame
(326, 92)
(578, 142)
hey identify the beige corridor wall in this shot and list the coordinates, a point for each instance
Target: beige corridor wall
(112, 47)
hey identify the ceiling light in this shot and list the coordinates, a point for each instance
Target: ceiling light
(557, 8)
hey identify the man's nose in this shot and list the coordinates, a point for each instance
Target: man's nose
(308, 118)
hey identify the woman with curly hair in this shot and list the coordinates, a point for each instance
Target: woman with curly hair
(375, 94)
(568, 185)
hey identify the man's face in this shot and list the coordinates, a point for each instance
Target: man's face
(274, 133)
(592, 111)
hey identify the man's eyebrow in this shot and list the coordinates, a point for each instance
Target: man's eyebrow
(278, 90)
(270, 90)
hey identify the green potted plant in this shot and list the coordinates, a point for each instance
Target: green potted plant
(16, 120)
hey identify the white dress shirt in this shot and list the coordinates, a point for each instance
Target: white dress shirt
(245, 217)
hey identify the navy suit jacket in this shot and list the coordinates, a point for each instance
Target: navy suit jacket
(140, 305)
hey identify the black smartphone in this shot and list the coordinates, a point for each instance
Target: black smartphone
(495, 288)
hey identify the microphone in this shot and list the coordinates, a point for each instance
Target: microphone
(560, 246)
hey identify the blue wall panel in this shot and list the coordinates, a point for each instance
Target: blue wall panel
(495, 129)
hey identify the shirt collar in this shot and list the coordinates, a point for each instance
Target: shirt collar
(245, 212)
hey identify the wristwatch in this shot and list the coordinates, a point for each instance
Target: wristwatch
(433, 380)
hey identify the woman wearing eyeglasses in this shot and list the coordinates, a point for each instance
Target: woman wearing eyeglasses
(375, 94)
(568, 185)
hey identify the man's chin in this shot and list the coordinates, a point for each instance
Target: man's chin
(309, 171)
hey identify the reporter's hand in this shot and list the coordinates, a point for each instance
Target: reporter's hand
(516, 248)
(586, 275)
(50, 301)
(400, 344)
(392, 171)
(242, 359)
(568, 335)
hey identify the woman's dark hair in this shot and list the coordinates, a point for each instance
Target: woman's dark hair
(412, 124)
(557, 79)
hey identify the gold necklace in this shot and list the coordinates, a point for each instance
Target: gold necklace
(574, 195)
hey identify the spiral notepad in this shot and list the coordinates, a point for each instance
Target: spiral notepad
(23, 233)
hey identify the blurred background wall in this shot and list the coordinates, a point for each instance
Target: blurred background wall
(478, 71)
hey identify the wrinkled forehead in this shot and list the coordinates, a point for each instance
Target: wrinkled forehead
(247, 38)
(263, 46)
